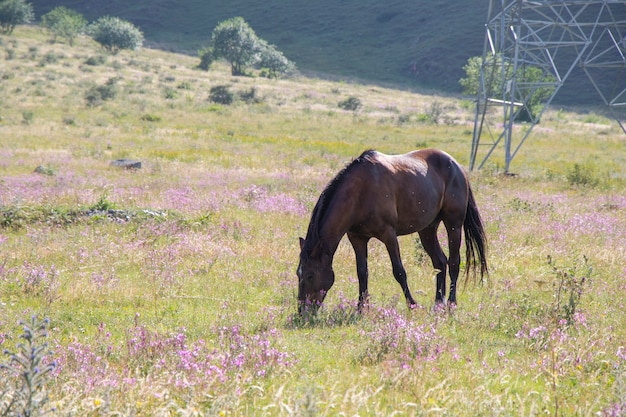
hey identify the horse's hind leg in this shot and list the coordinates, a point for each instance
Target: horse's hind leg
(454, 256)
(431, 245)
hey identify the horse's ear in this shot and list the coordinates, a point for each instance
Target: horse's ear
(301, 243)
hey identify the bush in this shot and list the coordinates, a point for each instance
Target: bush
(48, 58)
(352, 103)
(150, 118)
(221, 94)
(432, 114)
(582, 175)
(13, 13)
(64, 23)
(273, 62)
(96, 60)
(169, 93)
(206, 58)
(27, 117)
(114, 34)
(250, 96)
(97, 94)
(28, 371)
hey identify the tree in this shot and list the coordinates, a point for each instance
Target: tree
(235, 41)
(471, 82)
(273, 61)
(527, 76)
(13, 13)
(64, 23)
(114, 34)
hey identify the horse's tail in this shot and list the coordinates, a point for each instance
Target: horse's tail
(475, 239)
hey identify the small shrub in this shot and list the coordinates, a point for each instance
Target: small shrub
(352, 103)
(27, 117)
(593, 118)
(423, 118)
(98, 94)
(404, 119)
(45, 170)
(582, 175)
(103, 204)
(49, 58)
(434, 112)
(206, 58)
(150, 118)
(215, 108)
(221, 94)
(250, 96)
(170, 93)
(570, 284)
(33, 52)
(28, 370)
(95, 60)
(69, 120)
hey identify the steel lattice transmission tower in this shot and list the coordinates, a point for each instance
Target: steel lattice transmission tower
(530, 50)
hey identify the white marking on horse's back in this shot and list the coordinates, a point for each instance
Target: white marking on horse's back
(406, 162)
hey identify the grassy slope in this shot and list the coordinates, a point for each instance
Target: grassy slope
(237, 184)
(347, 39)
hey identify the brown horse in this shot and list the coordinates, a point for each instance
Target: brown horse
(383, 196)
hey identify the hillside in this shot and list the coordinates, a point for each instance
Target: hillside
(415, 44)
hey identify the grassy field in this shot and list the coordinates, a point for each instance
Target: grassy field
(170, 290)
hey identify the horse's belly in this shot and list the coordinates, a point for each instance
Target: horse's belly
(410, 227)
(414, 215)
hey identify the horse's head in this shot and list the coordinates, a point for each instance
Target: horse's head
(315, 276)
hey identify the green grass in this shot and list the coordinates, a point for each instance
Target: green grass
(171, 289)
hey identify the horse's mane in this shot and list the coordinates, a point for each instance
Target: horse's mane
(321, 207)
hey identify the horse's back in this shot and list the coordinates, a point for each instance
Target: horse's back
(413, 189)
(426, 165)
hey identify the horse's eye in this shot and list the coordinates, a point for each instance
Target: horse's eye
(309, 277)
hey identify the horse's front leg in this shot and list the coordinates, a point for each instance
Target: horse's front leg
(391, 242)
(359, 244)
